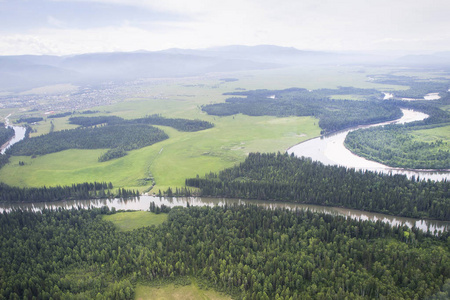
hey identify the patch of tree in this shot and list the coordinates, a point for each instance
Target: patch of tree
(79, 191)
(30, 120)
(93, 121)
(418, 87)
(60, 115)
(127, 137)
(333, 115)
(395, 146)
(89, 112)
(283, 177)
(112, 154)
(179, 124)
(246, 251)
(159, 209)
(6, 133)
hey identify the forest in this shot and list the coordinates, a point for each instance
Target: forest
(178, 124)
(6, 133)
(283, 177)
(394, 146)
(80, 191)
(127, 137)
(247, 251)
(333, 115)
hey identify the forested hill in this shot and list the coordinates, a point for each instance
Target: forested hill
(283, 177)
(248, 252)
(333, 114)
(178, 124)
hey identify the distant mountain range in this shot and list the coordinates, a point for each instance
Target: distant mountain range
(28, 71)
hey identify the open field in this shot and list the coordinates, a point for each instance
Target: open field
(186, 154)
(432, 135)
(127, 221)
(173, 292)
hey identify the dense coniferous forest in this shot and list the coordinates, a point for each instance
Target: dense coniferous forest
(127, 137)
(333, 114)
(80, 191)
(283, 177)
(6, 133)
(394, 146)
(249, 252)
(179, 124)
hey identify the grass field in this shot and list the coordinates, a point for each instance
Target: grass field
(434, 134)
(186, 154)
(173, 292)
(127, 221)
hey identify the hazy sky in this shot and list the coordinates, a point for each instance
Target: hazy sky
(79, 26)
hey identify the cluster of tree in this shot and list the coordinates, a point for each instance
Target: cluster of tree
(127, 137)
(395, 146)
(283, 177)
(333, 114)
(179, 124)
(163, 209)
(112, 154)
(60, 115)
(80, 191)
(6, 133)
(246, 251)
(418, 88)
(98, 120)
(30, 120)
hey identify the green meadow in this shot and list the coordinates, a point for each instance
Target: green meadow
(130, 220)
(185, 154)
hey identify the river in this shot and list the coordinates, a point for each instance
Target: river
(143, 203)
(330, 150)
(19, 134)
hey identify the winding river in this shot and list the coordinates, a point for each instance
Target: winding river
(330, 150)
(19, 134)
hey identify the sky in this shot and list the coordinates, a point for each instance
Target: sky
(62, 27)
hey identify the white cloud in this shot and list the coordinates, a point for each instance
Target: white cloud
(306, 24)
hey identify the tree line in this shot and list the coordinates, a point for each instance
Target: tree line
(178, 124)
(246, 251)
(80, 191)
(333, 115)
(283, 177)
